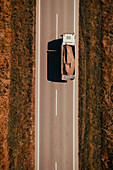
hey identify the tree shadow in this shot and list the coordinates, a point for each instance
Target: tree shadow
(54, 61)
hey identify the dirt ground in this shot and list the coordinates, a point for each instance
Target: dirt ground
(95, 85)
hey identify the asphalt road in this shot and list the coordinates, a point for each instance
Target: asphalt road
(56, 98)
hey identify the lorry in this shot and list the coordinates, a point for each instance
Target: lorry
(68, 56)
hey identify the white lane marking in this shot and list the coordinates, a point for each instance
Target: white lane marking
(74, 99)
(74, 16)
(56, 102)
(74, 125)
(56, 26)
(75, 91)
(37, 86)
(55, 165)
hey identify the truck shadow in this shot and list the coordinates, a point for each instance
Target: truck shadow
(54, 61)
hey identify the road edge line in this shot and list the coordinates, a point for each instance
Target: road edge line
(75, 90)
(37, 85)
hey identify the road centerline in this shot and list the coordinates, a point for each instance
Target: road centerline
(55, 165)
(56, 26)
(56, 102)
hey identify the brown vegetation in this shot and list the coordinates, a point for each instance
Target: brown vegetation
(107, 77)
(96, 86)
(17, 84)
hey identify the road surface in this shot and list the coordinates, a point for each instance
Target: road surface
(55, 100)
